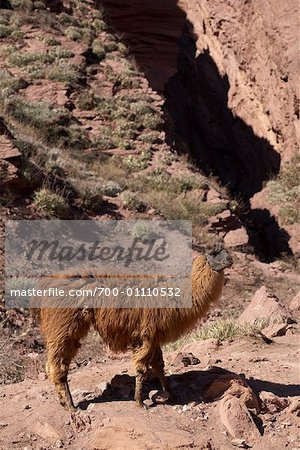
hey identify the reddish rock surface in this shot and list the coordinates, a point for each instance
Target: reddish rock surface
(295, 303)
(236, 238)
(255, 44)
(237, 419)
(264, 305)
(53, 93)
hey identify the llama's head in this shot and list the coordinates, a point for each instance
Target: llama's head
(218, 258)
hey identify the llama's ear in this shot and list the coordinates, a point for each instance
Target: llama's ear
(215, 249)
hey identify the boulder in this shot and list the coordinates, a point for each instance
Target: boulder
(276, 329)
(231, 384)
(272, 402)
(237, 419)
(294, 406)
(53, 93)
(236, 238)
(264, 305)
(295, 303)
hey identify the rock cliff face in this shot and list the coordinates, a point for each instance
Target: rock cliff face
(229, 71)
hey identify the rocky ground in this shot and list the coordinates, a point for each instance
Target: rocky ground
(209, 412)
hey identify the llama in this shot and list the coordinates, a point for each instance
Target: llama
(144, 331)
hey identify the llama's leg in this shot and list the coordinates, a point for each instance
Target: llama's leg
(59, 359)
(141, 359)
(158, 367)
(63, 331)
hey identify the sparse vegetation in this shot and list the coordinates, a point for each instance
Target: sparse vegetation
(4, 31)
(98, 49)
(132, 202)
(52, 203)
(222, 330)
(21, 59)
(285, 192)
(74, 33)
(63, 72)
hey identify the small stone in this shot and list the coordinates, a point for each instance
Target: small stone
(103, 386)
(186, 408)
(240, 443)
(42, 376)
(148, 403)
(294, 406)
(159, 397)
(190, 360)
(272, 402)
(90, 407)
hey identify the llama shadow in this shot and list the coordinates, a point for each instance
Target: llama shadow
(186, 387)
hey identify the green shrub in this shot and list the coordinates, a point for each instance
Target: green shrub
(63, 72)
(74, 33)
(285, 192)
(52, 203)
(90, 196)
(289, 214)
(4, 31)
(99, 25)
(37, 114)
(20, 59)
(111, 188)
(98, 49)
(61, 53)
(139, 162)
(10, 84)
(132, 202)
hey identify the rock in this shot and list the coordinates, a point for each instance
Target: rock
(236, 238)
(237, 419)
(42, 376)
(232, 384)
(51, 92)
(214, 197)
(46, 431)
(264, 305)
(148, 403)
(103, 386)
(272, 402)
(294, 406)
(295, 303)
(81, 394)
(276, 329)
(189, 360)
(240, 443)
(159, 397)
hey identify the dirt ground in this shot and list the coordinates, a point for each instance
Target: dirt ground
(31, 418)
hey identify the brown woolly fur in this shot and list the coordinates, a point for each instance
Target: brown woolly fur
(142, 330)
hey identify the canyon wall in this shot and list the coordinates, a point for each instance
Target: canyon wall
(256, 45)
(253, 46)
